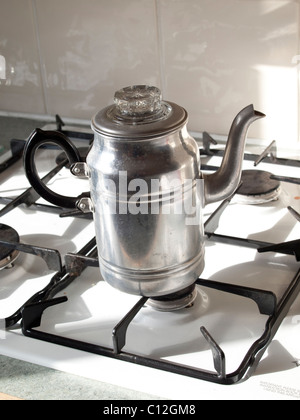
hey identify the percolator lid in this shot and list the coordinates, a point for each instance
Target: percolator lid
(139, 112)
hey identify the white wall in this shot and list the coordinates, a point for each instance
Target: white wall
(213, 57)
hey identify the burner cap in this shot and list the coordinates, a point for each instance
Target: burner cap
(257, 187)
(7, 254)
(175, 301)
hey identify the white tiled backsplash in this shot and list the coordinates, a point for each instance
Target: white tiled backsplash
(213, 57)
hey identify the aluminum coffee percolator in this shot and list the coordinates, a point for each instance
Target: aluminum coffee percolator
(147, 192)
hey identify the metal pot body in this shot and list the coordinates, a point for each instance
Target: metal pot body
(146, 196)
(147, 191)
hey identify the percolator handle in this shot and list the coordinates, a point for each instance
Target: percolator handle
(37, 138)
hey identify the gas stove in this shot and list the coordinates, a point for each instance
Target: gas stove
(240, 328)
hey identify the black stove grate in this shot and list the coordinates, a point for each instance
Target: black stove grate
(266, 301)
(31, 311)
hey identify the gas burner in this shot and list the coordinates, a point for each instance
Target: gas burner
(8, 254)
(175, 301)
(257, 187)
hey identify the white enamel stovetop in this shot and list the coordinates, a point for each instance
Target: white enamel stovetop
(94, 308)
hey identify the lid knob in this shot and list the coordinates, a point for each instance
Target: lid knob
(138, 100)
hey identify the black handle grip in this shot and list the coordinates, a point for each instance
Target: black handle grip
(36, 139)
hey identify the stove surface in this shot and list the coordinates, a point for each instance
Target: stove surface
(90, 310)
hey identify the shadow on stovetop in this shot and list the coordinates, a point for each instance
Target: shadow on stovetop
(276, 234)
(62, 244)
(278, 359)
